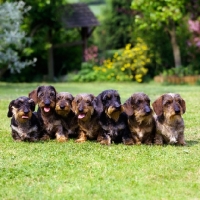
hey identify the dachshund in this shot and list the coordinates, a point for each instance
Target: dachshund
(64, 110)
(169, 109)
(88, 117)
(113, 120)
(140, 118)
(45, 97)
(24, 123)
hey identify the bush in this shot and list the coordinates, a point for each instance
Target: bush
(128, 64)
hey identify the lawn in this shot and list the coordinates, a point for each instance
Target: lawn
(51, 170)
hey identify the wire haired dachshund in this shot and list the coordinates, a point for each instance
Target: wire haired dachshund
(64, 110)
(24, 122)
(112, 118)
(45, 97)
(140, 118)
(169, 109)
(88, 117)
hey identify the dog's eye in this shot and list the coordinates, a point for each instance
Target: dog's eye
(58, 98)
(51, 94)
(41, 94)
(88, 102)
(108, 98)
(167, 103)
(139, 101)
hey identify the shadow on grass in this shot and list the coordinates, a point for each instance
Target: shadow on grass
(190, 143)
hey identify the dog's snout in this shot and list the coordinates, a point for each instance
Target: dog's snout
(80, 109)
(47, 102)
(176, 109)
(62, 107)
(117, 105)
(26, 110)
(147, 109)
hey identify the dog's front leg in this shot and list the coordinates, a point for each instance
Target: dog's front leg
(126, 139)
(181, 140)
(82, 137)
(60, 137)
(158, 140)
(106, 139)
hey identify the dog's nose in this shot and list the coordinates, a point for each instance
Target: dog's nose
(62, 107)
(147, 109)
(47, 102)
(26, 111)
(117, 105)
(80, 109)
(177, 109)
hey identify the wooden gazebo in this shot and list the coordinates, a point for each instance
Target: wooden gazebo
(79, 15)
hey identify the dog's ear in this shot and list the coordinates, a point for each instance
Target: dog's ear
(128, 109)
(74, 106)
(10, 113)
(33, 95)
(183, 105)
(32, 105)
(97, 103)
(158, 106)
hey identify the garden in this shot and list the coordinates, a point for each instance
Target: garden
(145, 46)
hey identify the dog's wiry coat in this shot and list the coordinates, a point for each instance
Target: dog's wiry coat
(169, 109)
(88, 117)
(112, 118)
(45, 97)
(24, 122)
(140, 118)
(64, 110)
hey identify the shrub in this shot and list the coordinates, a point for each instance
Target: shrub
(128, 64)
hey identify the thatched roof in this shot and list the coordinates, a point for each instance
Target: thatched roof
(79, 15)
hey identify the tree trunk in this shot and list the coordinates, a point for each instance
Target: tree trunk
(175, 47)
(2, 71)
(50, 58)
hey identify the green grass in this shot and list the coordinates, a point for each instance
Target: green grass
(51, 170)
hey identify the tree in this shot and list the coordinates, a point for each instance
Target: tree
(117, 24)
(13, 41)
(168, 14)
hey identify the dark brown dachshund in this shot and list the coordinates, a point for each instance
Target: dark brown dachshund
(45, 97)
(140, 118)
(169, 109)
(112, 118)
(24, 123)
(64, 109)
(88, 117)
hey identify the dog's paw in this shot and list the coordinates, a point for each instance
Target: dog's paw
(106, 141)
(61, 138)
(45, 138)
(127, 141)
(80, 140)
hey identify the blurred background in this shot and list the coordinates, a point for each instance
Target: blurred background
(99, 40)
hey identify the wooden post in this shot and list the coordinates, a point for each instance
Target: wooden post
(84, 36)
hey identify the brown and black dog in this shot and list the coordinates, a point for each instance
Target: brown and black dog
(112, 118)
(88, 117)
(45, 97)
(64, 109)
(140, 118)
(169, 109)
(24, 123)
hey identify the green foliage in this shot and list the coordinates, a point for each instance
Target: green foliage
(117, 25)
(14, 44)
(128, 64)
(156, 13)
(181, 71)
(51, 170)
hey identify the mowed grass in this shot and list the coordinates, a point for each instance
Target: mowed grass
(51, 170)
